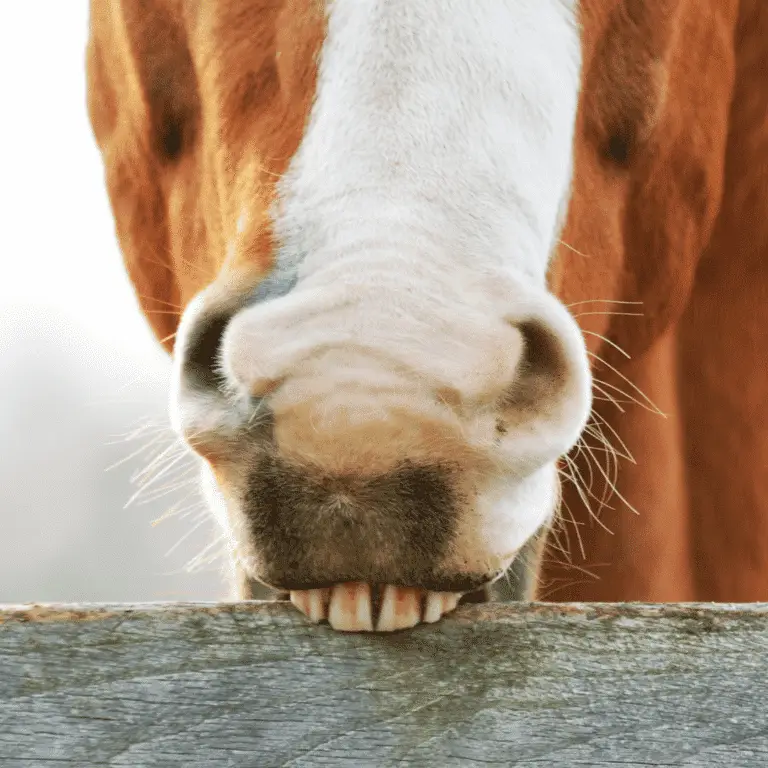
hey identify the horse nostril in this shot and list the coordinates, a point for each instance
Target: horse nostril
(200, 355)
(546, 407)
(543, 370)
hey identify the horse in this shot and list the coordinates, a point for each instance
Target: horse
(465, 301)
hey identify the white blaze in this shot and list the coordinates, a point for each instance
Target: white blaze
(446, 125)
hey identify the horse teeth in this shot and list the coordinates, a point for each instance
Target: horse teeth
(312, 602)
(400, 609)
(438, 604)
(349, 607)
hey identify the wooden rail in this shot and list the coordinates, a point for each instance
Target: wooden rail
(255, 685)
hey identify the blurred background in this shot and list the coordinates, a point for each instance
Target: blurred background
(82, 382)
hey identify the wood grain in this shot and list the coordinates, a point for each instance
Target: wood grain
(256, 685)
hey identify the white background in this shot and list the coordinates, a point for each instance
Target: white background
(78, 364)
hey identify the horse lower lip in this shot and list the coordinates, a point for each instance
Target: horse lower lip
(351, 607)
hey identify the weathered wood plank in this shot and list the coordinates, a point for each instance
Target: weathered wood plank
(254, 684)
